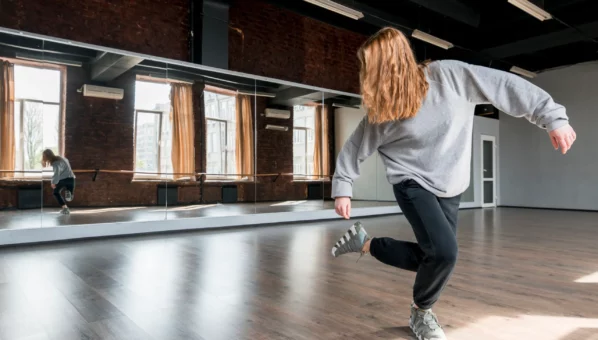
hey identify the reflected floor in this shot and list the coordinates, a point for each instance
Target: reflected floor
(518, 277)
(50, 217)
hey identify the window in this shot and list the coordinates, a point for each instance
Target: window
(220, 134)
(303, 141)
(37, 108)
(153, 130)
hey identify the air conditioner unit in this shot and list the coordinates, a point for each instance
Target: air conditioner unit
(281, 114)
(102, 92)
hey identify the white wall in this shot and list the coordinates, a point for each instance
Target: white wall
(533, 173)
(373, 185)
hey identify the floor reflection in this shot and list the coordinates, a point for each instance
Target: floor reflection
(50, 217)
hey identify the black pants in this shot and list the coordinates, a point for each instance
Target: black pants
(433, 257)
(68, 184)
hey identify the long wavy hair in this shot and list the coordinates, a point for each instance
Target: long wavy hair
(48, 157)
(393, 83)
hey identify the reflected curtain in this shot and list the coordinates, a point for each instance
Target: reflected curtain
(244, 138)
(7, 119)
(321, 154)
(183, 131)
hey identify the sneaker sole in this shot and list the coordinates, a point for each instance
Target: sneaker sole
(345, 238)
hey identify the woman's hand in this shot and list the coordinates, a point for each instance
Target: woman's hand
(53, 186)
(563, 137)
(342, 206)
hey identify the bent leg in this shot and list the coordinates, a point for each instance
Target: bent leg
(400, 254)
(436, 237)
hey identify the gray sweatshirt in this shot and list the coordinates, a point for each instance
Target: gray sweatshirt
(62, 170)
(434, 147)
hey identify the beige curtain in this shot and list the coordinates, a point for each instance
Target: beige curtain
(183, 131)
(7, 119)
(244, 140)
(321, 154)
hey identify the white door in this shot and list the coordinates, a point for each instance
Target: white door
(488, 171)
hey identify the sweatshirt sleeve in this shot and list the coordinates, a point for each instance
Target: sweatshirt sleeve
(56, 170)
(509, 93)
(361, 144)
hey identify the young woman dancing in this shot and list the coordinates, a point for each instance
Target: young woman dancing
(420, 120)
(63, 178)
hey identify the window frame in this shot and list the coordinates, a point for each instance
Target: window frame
(158, 176)
(224, 177)
(305, 131)
(45, 174)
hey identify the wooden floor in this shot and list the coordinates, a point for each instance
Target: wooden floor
(522, 274)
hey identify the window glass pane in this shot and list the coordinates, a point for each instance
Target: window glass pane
(488, 192)
(215, 148)
(37, 84)
(221, 139)
(487, 154)
(166, 146)
(303, 139)
(18, 139)
(32, 138)
(152, 96)
(146, 143)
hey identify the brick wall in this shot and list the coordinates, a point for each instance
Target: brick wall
(281, 44)
(156, 27)
(99, 133)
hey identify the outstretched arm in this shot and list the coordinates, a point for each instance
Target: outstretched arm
(515, 96)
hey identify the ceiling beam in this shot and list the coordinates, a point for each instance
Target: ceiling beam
(543, 42)
(453, 9)
(109, 66)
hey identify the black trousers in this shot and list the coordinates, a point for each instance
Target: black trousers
(68, 184)
(433, 257)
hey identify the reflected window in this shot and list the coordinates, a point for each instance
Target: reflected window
(220, 134)
(37, 109)
(153, 130)
(303, 141)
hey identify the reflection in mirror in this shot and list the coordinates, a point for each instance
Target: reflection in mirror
(210, 140)
(371, 188)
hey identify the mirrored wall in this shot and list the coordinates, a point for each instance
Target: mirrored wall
(152, 139)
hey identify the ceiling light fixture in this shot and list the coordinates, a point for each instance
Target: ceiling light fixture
(531, 9)
(337, 8)
(523, 72)
(417, 34)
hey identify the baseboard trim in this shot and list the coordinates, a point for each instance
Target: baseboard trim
(545, 208)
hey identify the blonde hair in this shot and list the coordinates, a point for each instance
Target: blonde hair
(48, 157)
(393, 84)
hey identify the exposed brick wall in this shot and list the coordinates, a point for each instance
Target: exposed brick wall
(99, 133)
(281, 44)
(156, 27)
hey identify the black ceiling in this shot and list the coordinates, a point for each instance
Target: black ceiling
(486, 32)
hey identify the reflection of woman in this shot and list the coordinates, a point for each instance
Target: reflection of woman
(420, 120)
(63, 178)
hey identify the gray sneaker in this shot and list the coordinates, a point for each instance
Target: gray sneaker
(425, 324)
(352, 241)
(68, 196)
(65, 211)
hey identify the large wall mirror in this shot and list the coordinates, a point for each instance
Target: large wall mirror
(150, 139)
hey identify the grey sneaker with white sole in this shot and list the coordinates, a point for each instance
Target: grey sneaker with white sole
(65, 211)
(68, 196)
(425, 325)
(352, 241)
